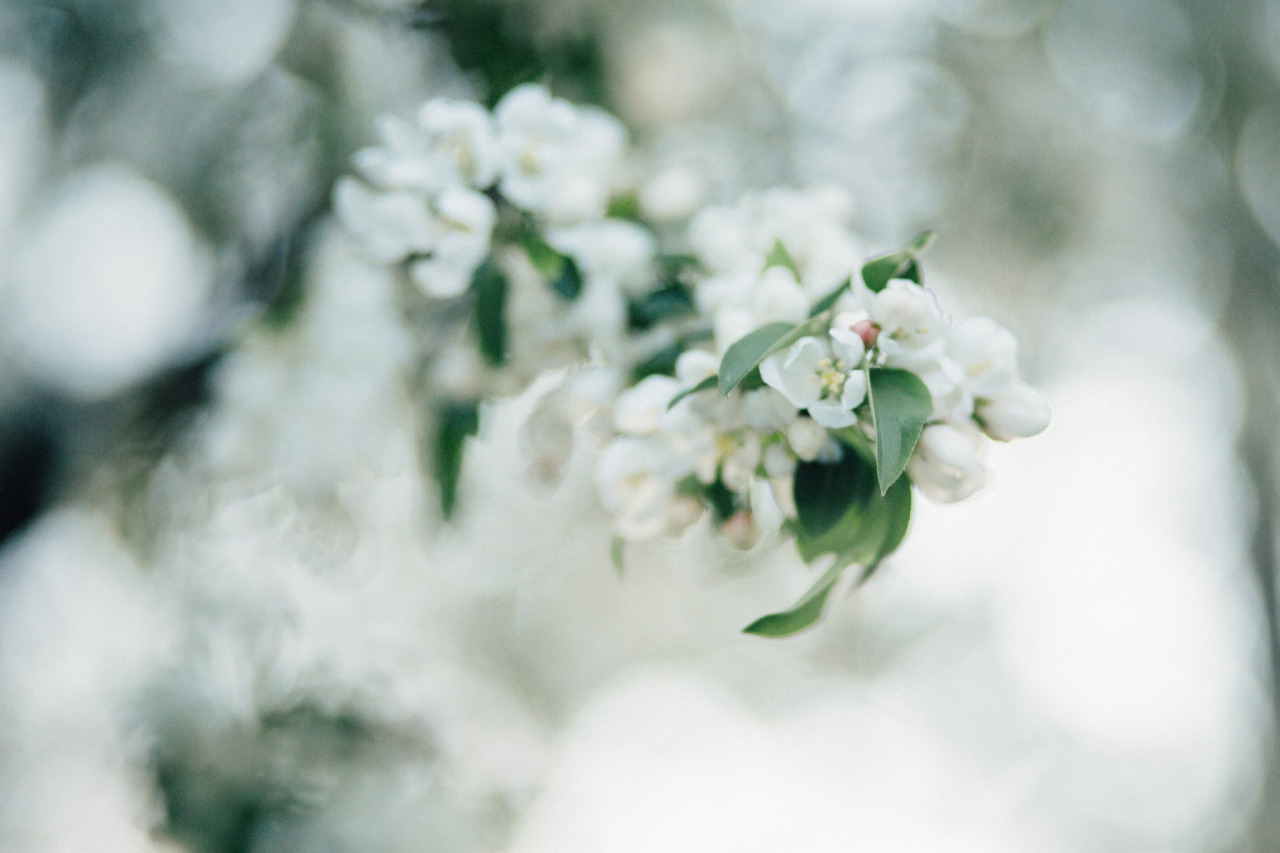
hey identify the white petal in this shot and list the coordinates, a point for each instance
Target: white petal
(848, 346)
(832, 415)
(855, 390)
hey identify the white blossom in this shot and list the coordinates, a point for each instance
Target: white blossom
(558, 160)
(908, 316)
(986, 352)
(390, 226)
(810, 224)
(1019, 411)
(639, 410)
(778, 461)
(610, 253)
(766, 410)
(807, 438)
(463, 228)
(945, 465)
(636, 479)
(463, 132)
(824, 380)
(452, 144)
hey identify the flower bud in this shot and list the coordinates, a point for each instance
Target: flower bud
(682, 515)
(868, 331)
(778, 461)
(1020, 411)
(945, 465)
(740, 530)
(806, 438)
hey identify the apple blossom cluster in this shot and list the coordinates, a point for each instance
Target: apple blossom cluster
(750, 366)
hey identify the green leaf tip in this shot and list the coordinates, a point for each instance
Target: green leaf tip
(805, 614)
(878, 272)
(779, 257)
(455, 422)
(828, 302)
(705, 385)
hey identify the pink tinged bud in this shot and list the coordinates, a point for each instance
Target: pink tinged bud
(868, 331)
(740, 530)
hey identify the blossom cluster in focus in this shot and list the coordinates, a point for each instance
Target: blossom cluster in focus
(750, 364)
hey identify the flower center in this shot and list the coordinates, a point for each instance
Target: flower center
(832, 374)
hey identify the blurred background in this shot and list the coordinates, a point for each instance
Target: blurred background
(277, 652)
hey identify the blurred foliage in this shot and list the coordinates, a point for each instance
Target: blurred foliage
(505, 44)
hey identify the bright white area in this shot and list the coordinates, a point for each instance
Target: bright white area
(229, 41)
(110, 283)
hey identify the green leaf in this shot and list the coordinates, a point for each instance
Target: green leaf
(779, 257)
(544, 257)
(667, 303)
(828, 302)
(878, 272)
(900, 404)
(722, 501)
(568, 284)
(490, 288)
(626, 206)
(920, 243)
(871, 528)
(852, 438)
(454, 422)
(561, 272)
(806, 612)
(746, 353)
(896, 507)
(705, 385)
(616, 549)
(825, 491)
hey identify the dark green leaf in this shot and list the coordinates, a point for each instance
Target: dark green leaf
(560, 271)
(722, 501)
(900, 404)
(828, 302)
(870, 529)
(544, 257)
(454, 422)
(490, 288)
(663, 361)
(705, 385)
(779, 257)
(825, 491)
(667, 303)
(806, 612)
(568, 284)
(896, 507)
(675, 266)
(878, 272)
